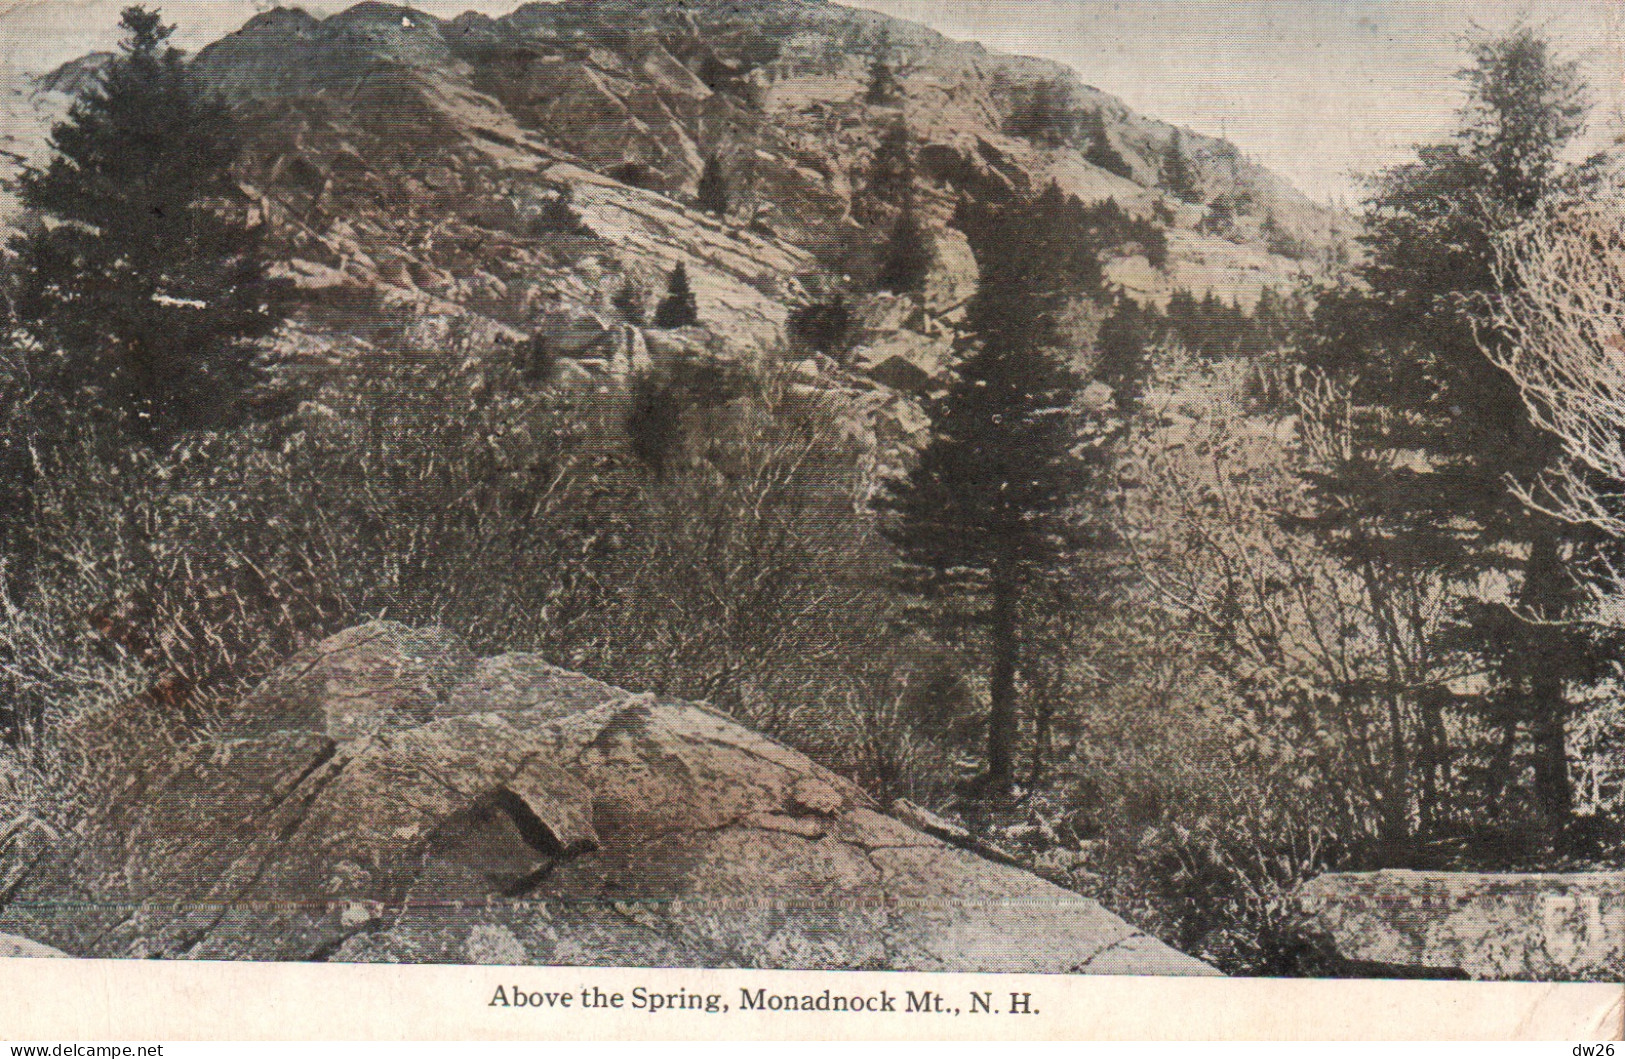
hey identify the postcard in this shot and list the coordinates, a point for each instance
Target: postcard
(1026, 518)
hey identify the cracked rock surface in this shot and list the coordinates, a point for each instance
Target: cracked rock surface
(387, 797)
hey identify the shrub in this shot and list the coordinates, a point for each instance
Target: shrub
(630, 302)
(558, 216)
(908, 256)
(445, 488)
(824, 326)
(679, 307)
(636, 175)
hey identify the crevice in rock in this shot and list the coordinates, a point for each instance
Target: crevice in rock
(631, 719)
(530, 882)
(324, 656)
(652, 837)
(533, 830)
(1082, 968)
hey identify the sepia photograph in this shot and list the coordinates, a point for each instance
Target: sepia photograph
(1039, 487)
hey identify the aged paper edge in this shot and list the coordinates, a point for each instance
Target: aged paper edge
(100, 1000)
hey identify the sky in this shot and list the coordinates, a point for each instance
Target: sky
(1320, 90)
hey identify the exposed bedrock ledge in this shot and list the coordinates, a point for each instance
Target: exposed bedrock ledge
(387, 797)
(1491, 927)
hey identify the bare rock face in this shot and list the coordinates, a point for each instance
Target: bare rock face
(385, 797)
(1489, 927)
(953, 277)
(907, 361)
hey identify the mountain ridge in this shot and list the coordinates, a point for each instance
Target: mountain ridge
(537, 173)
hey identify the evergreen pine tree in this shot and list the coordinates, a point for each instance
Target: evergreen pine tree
(983, 516)
(908, 257)
(1408, 343)
(1177, 179)
(883, 86)
(891, 174)
(654, 423)
(1100, 152)
(1044, 115)
(678, 308)
(145, 289)
(1221, 216)
(1123, 362)
(713, 194)
(823, 326)
(1182, 318)
(629, 302)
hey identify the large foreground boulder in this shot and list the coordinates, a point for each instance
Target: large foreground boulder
(1461, 925)
(387, 797)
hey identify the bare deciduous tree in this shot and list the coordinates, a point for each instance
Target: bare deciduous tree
(1564, 308)
(1335, 666)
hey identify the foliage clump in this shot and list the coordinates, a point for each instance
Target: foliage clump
(678, 308)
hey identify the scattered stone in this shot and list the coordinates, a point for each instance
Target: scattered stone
(1461, 925)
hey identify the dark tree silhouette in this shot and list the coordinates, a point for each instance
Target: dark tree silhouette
(713, 194)
(983, 516)
(1407, 341)
(1123, 355)
(1100, 151)
(824, 326)
(883, 86)
(558, 216)
(1044, 115)
(891, 174)
(909, 255)
(629, 301)
(678, 308)
(145, 289)
(654, 424)
(1177, 178)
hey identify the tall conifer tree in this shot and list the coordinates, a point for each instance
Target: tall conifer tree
(1177, 178)
(679, 307)
(1443, 432)
(143, 286)
(712, 194)
(909, 254)
(883, 87)
(983, 516)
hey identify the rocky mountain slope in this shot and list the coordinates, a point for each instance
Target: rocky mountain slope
(386, 796)
(538, 172)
